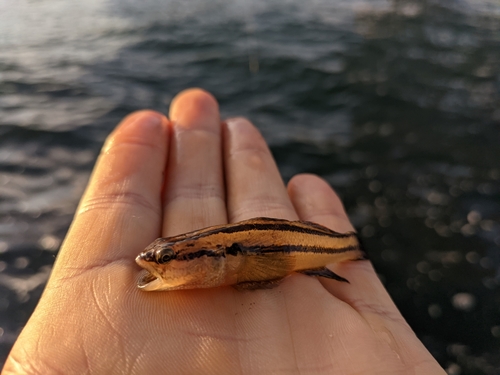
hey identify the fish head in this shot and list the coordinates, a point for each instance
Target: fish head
(172, 265)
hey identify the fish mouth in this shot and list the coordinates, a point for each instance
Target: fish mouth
(148, 281)
(151, 280)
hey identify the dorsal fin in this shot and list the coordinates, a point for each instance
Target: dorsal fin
(319, 227)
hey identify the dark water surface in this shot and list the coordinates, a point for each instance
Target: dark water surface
(396, 103)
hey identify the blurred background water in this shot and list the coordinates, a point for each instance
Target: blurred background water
(395, 102)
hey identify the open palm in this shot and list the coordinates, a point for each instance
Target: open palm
(157, 177)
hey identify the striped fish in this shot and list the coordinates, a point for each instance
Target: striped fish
(251, 254)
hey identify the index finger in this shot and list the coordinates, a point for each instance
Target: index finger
(120, 211)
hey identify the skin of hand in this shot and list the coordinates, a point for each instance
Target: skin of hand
(159, 177)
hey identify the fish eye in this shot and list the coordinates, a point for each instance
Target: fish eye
(164, 256)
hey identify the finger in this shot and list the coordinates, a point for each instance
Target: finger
(123, 194)
(255, 188)
(194, 185)
(254, 184)
(315, 201)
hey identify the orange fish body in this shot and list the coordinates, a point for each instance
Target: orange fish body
(251, 254)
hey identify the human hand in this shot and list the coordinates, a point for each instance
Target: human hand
(160, 178)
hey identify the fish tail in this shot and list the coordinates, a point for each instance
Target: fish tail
(363, 254)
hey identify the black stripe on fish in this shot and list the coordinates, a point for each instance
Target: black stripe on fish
(291, 249)
(236, 249)
(200, 253)
(282, 227)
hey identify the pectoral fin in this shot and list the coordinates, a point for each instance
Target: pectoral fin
(265, 267)
(324, 272)
(263, 271)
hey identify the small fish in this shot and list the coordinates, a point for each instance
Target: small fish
(251, 254)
